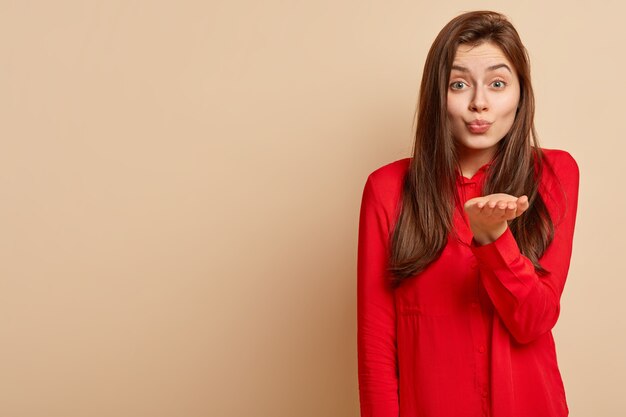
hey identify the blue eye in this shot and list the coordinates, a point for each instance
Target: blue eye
(457, 85)
(454, 83)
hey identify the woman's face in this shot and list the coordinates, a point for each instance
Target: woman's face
(483, 86)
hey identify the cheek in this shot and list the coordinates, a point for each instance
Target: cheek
(449, 107)
(453, 109)
(508, 105)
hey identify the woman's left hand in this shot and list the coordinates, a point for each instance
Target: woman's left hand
(488, 215)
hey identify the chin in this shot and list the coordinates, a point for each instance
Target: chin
(479, 146)
(475, 147)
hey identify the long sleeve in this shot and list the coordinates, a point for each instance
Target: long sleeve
(528, 303)
(376, 316)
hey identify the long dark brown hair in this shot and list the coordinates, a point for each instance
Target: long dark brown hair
(429, 195)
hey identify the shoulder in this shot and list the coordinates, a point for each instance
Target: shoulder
(392, 171)
(383, 190)
(387, 180)
(562, 163)
(559, 182)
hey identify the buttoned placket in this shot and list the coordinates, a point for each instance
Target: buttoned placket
(470, 188)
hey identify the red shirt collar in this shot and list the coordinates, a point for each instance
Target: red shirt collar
(477, 176)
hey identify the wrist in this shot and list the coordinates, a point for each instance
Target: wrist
(485, 237)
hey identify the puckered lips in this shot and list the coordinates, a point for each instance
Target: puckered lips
(478, 126)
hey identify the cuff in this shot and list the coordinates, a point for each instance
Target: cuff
(498, 254)
(503, 258)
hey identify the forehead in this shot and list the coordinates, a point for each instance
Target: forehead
(482, 55)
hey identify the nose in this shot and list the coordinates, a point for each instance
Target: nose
(479, 100)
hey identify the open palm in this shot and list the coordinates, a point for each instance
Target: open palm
(488, 215)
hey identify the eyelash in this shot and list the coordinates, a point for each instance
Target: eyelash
(495, 81)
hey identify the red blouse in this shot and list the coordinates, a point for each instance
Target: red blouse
(471, 335)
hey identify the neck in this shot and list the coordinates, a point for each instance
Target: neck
(470, 160)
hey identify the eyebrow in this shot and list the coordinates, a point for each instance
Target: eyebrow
(491, 68)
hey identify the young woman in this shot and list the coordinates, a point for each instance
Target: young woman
(464, 248)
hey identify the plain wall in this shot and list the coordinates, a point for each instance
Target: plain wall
(181, 185)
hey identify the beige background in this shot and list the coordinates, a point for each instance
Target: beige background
(181, 184)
